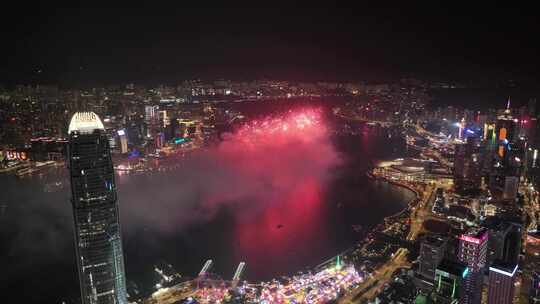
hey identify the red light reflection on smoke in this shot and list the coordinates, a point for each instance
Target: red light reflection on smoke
(278, 235)
(282, 163)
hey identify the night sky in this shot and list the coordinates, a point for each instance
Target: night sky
(168, 43)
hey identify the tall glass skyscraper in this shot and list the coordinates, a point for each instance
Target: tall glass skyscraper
(473, 253)
(95, 211)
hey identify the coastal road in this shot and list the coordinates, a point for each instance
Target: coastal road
(421, 212)
(374, 284)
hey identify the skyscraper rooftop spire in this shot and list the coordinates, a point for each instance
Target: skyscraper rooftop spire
(507, 106)
(85, 122)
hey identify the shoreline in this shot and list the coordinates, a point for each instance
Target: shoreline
(397, 184)
(368, 289)
(410, 204)
(316, 268)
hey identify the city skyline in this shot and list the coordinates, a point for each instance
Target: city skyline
(217, 129)
(197, 154)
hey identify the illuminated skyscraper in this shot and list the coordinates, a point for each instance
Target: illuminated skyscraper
(450, 279)
(502, 277)
(98, 244)
(432, 251)
(489, 134)
(506, 129)
(504, 242)
(151, 119)
(473, 252)
(534, 291)
(467, 165)
(461, 125)
(123, 141)
(150, 113)
(159, 140)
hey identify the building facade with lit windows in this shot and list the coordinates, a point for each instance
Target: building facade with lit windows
(505, 129)
(432, 251)
(98, 243)
(534, 291)
(467, 165)
(473, 252)
(502, 276)
(504, 242)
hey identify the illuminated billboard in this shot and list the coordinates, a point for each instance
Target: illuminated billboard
(14, 155)
(473, 239)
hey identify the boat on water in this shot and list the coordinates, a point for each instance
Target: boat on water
(53, 187)
(44, 164)
(25, 171)
(357, 228)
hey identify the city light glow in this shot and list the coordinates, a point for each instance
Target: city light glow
(465, 272)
